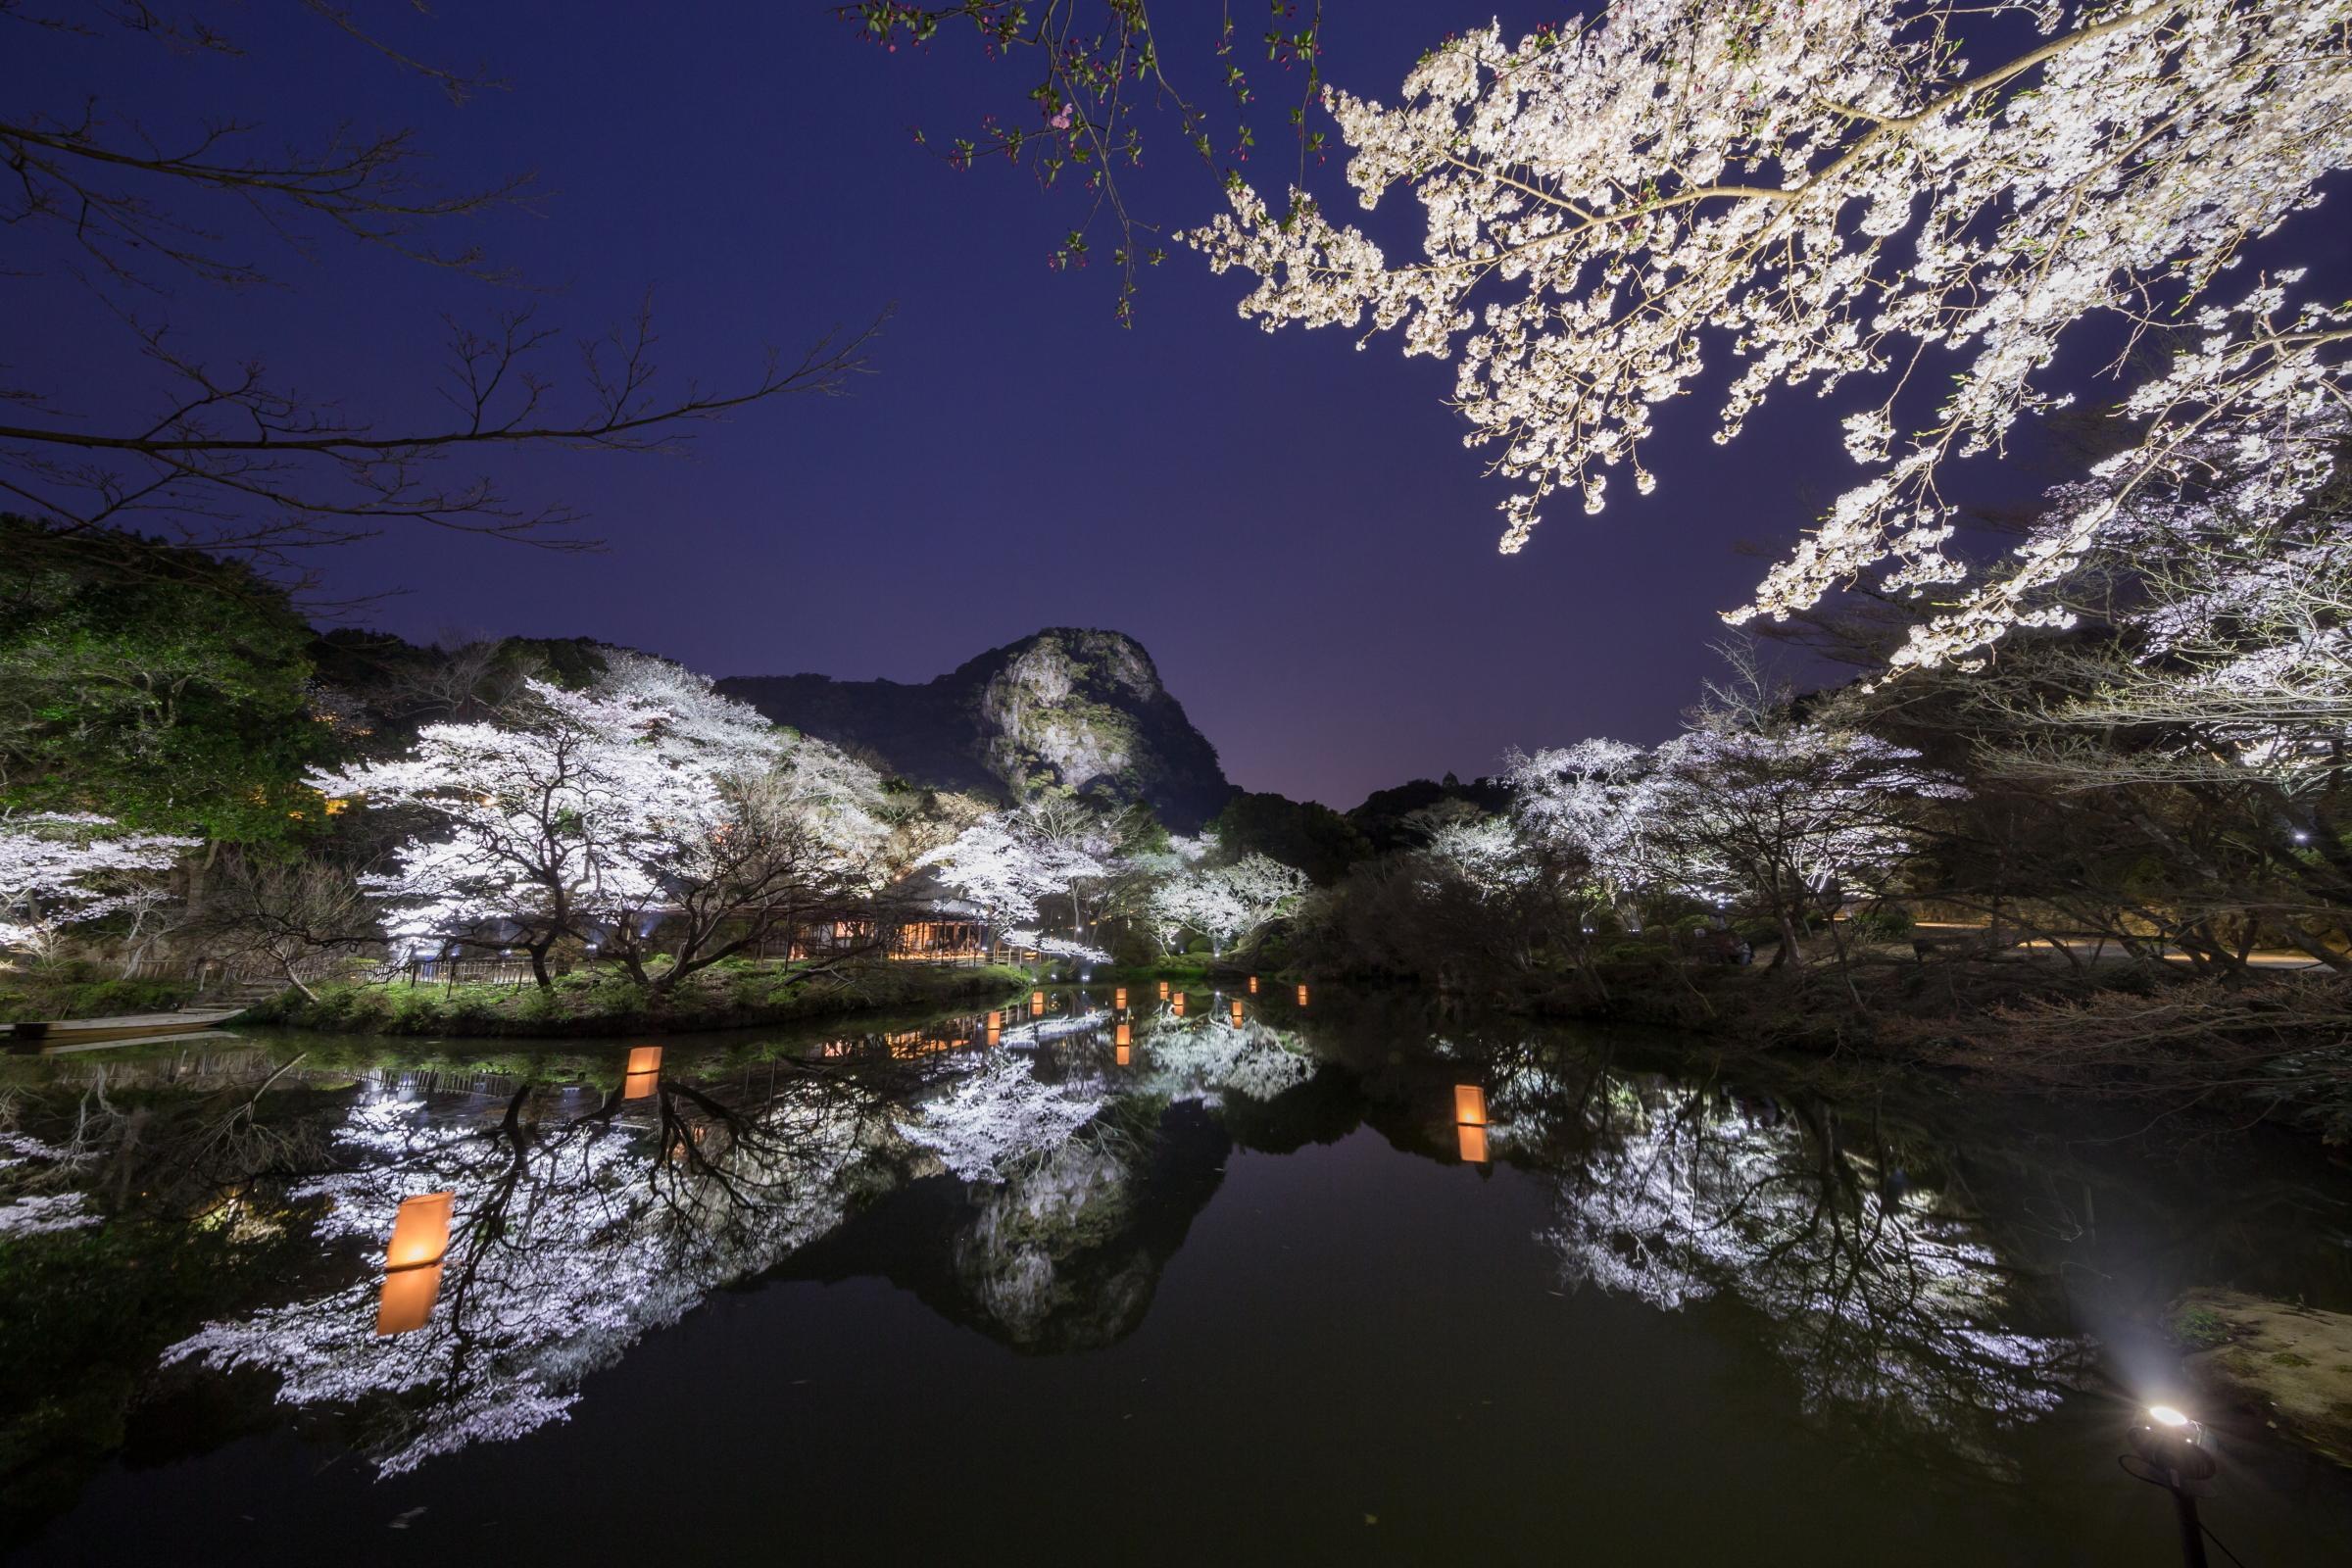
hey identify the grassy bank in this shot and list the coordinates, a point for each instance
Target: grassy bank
(606, 1002)
(83, 990)
(2276, 1044)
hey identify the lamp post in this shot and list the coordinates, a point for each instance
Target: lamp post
(2173, 1446)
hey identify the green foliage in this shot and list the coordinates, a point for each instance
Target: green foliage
(81, 991)
(1307, 834)
(82, 1314)
(153, 684)
(1882, 922)
(2200, 1329)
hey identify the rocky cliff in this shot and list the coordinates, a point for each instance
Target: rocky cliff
(1066, 707)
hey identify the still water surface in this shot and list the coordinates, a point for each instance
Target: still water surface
(1240, 1289)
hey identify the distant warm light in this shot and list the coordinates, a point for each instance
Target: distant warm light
(1126, 1036)
(1163, 991)
(420, 1230)
(1302, 996)
(1037, 998)
(996, 1021)
(1254, 985)
(995, 1034)
(1118, 997)
(1176, 1004)
(2166, 1415)
(1237, 1012)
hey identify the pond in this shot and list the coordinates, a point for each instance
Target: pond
(1209, 1278)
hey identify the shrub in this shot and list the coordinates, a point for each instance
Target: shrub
(1881, 922)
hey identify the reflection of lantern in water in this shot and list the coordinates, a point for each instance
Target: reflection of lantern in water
(1237, 1012)
(407, 1300)
(1176, 1004)
(1254, 985)
(412, 1262)
(1126, 1034)
(1470, 1122)
(995, 1034)
(1302, 996)
(996, 1021)
(645, 1071)
(1118, 997)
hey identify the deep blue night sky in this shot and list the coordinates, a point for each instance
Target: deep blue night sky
(1292, 527)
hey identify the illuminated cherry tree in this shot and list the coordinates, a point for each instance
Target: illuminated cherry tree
(1596, 801)
(1009, 862)
(1838, 191)
(1223, 903)
(60, 869)
(582, 813)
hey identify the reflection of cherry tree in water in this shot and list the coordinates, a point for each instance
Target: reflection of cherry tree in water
(1881, 1295)
(1053, 1150)
(575, 1236)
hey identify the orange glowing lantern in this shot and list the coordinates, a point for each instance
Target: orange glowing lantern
(1176, 1004)
(996, 1021)
(645, 1071)
(412, 1262)
(1037, 998)
(420, 1230)
(1126, 1036)
(1237, 1012)
(1163, 991)
(1254, 985)
(995, 1034)
(1470, 1122)
(1302, 996)
(1119, 999)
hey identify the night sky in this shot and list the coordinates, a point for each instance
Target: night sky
(1292, 527)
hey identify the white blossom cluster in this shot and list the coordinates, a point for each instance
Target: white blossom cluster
(61, 868)
(1882, 1300)
(561, 1257)
(1725, 812)
(596, 807)
(1223, 902)
(998, 1117)
(1832, 190)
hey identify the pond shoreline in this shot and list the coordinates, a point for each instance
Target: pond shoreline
(605, 1004)
(2170, 1040)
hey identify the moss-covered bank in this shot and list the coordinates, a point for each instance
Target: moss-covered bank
(606, 1002)
(83, 990)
